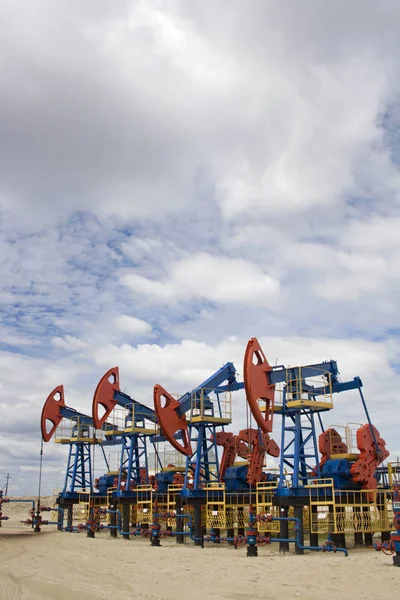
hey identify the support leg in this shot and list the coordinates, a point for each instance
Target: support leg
(313, 522)
(113, 521)
(179, 520)
(70, 516)
(298, 513)
(284, 532)
(339, 539)
(385, 536)
(198, 529)
(126, 510)
(368, 539)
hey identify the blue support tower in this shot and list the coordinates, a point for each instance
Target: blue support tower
(78, 477)
(202, 466)
(302, 406)
(190, 425)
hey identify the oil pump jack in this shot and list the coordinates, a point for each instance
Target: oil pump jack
(80, 435)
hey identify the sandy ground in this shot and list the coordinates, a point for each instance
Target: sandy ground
(62, 566)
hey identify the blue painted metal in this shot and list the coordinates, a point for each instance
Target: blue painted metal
(212, 384)
(395, 535)
(133, 464)
(163, 480)
(145, 412)
(203, 466)
(339, 471)
(78, 476)
(299, 444)
(133, 468)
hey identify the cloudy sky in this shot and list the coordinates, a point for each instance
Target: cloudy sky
(177, 177)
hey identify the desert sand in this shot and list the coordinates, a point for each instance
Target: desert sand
(54, 565)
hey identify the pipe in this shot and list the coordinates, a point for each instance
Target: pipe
(297, 540)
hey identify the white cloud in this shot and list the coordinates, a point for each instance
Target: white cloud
(132, 325)
(68, 343)
(220, 279)
(236, 169)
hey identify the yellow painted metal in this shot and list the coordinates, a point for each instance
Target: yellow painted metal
(162, 507)
(76, 431)
(394, 473)
(172, 493)
(80, 510)
(237, 511)
(130, 419)
(313, 404)
(348, 434)
(265, 491)
(349, 456)
(144, 504)
(322, 502)
(174, 469)
(348, 511)
(220, 412)
(215, 505)
(294, 380)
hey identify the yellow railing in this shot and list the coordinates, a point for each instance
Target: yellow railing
(265, 492)
(349, 437)
(297, 394)
(394, 473)
(348, 511)
(215, 505)
(77, 431)
(142, 510)
(213, 409)
(130, 418)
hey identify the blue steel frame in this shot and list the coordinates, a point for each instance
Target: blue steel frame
(78, 476)
(199, 465)
(301, 452)
(133, 458)
(299, 449)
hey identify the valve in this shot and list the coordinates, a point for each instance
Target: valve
(251, 539)
(155, 529)
(329, 546)
(238, 540)
(388, 548)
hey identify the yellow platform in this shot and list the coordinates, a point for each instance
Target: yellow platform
(77, 439)
(211, 419)
(314, 405)
(143, 430)
(175, 469)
